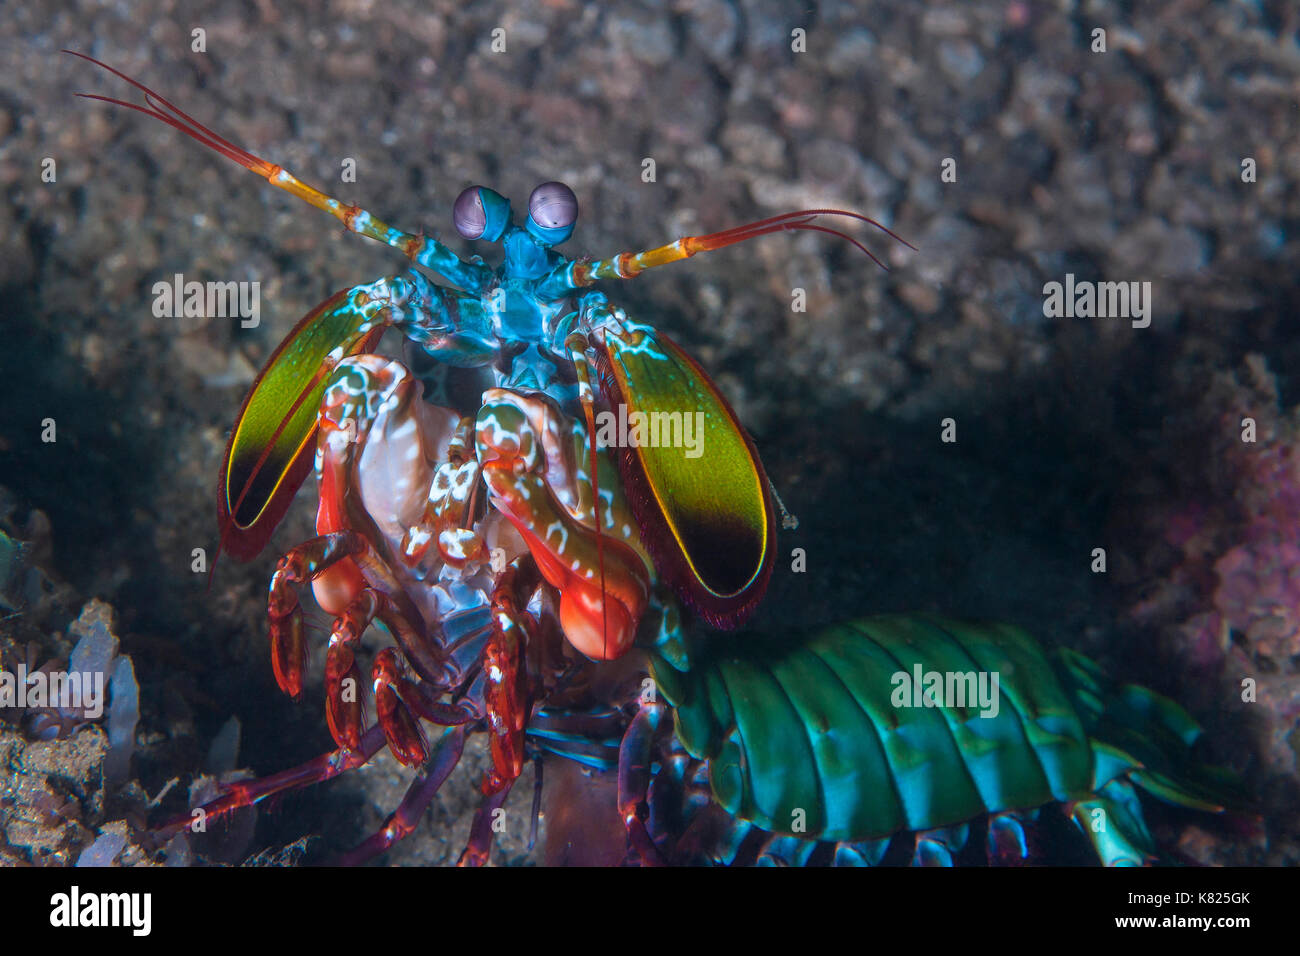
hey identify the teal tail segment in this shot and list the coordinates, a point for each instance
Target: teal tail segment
(1140, 739)
(817, 736)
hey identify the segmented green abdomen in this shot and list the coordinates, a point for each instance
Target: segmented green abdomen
(826, 729)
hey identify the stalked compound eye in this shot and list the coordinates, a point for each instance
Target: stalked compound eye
(552, 212)
(481, 213)
(468, 214)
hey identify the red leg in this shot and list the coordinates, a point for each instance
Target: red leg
(536, 812)
(298, 566)
(344, 710)
(634, 760)
(479, 846)
(506, 693)
(406, 817)
(405, 739)
(343, 687)
(245, 793)
(344, 702)
(391, 605)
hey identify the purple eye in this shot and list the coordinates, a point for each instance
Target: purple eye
(553, 206)
(468, 213)
(481, 213)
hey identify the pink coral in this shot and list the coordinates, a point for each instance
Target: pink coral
(1238, 540)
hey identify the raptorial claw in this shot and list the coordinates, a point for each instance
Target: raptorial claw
(533, 458)
(289, 651)
(288, 635)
